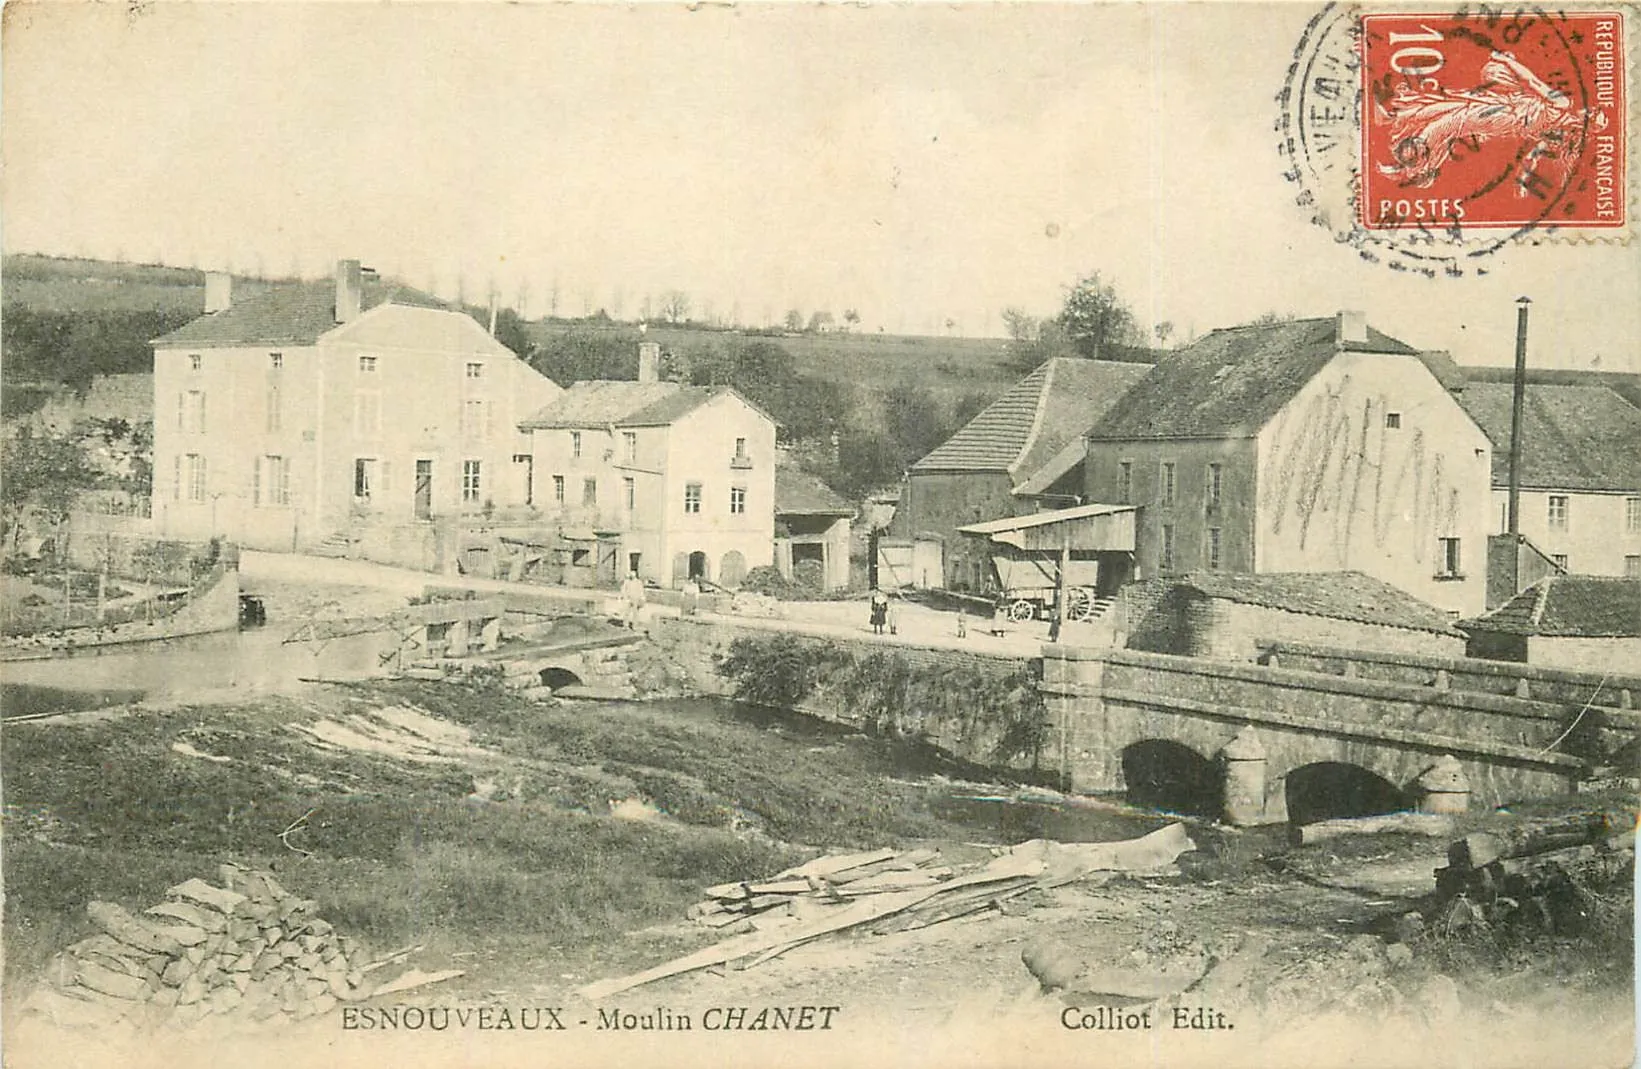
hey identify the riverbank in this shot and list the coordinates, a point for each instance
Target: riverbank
(540, 847)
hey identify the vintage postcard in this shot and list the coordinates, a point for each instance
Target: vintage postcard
(905, 534)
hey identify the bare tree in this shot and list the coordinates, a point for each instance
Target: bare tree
(1163, 331)
(675, 306)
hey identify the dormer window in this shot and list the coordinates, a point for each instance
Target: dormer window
(195, 362)
(367, 365)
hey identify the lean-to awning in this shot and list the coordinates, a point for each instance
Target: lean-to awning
(1090, 528)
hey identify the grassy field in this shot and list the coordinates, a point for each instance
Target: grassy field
(399, 853)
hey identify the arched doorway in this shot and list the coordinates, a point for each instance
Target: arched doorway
(732, 569)
(1330, 789)
(698, 565)
(1167, 775)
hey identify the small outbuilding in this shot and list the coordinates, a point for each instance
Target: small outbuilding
(1230, 615)
(1564, 621)
(811, 524)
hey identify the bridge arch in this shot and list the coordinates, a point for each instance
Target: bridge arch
(1323, 790)
(555, 676)
(1169, 775)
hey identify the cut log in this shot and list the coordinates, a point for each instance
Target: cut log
(120, 924)
(197, 890)
(1431, 824)
(109, 982)
(1537, 837)
(189, 913)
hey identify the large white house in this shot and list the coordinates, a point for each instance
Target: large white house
(286, 419)
(679, 480)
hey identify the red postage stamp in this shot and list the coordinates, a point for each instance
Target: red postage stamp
(1484, 119)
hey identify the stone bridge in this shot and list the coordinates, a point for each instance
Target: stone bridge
(1260, 743)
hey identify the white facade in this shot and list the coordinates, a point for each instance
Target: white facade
(402, 414)
(1373, 467)
(693, 496)
(1590, 532)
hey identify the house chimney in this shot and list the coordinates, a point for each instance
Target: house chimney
(219, 291)
(1353, 328)
(350, 287)
(649, 361)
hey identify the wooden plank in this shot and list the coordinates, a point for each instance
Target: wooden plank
(827, 865)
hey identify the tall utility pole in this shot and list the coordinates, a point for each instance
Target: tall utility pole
(1517, 403)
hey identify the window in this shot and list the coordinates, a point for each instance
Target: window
(1168, 482)
(1125, 481)
(1212, 550)
(367, 413)
(740, 448)
(1632, 515)
(196, 362)
(271, 484)
(558, 489)
(364, 477)
(1632, 566)
(476, 422)
(276, 361)
(575, 443)
(740, 459)
(1560, 560)
(589, 491)
(191, 412)
(581, 558)
(367, 365)
(692, 497)
(629, 493)
(1393, 421)
(1504, 517)
(194, 466)
(629, 446)
(1214, 482)
(472, 481)
(737, 500)
(1558, 512)
(1166, 558)
(275, 415)
(1447, 559)
(475, 369)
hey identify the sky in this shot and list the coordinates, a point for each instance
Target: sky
(924, 164)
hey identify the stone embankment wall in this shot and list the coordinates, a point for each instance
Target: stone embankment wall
(978, 708)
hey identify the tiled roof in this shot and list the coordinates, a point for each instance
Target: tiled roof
(1036, 417)
(293, 314)
(1340, 595)
(1626, 384)
(1231, 382)
(1573, 437)
(798, 493)
(599, 403)
(681, 402)
(1569, 606)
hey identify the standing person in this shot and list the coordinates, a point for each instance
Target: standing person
(691, 597)
(880, 611)
(632, 592)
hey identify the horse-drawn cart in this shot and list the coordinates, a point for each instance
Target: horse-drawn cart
(1025, 588)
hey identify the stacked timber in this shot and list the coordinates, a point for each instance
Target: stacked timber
(1543, 873)
(248, 950)
(833, 880)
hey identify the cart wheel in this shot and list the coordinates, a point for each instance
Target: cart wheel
(1079, 604)
(1021, 610)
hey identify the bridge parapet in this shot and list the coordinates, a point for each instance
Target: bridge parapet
(1611, 690)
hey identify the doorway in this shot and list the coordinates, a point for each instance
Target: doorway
(697, 565)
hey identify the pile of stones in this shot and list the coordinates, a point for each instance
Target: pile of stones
(248, 950)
